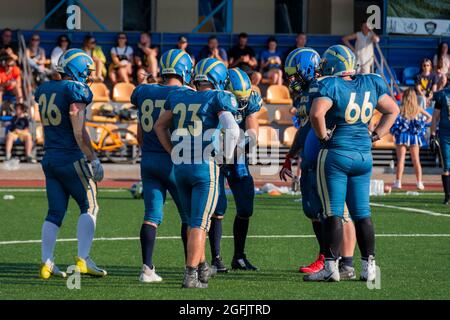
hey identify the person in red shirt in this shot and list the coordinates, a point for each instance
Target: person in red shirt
(10, 81)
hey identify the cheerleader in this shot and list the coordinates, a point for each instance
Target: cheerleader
(409, 132)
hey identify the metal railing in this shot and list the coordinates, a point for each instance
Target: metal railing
(382, 65)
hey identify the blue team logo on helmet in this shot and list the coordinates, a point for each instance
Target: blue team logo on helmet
(240, 85)
(77, 64)
(338, 60)
(301, 67)
(176, 62)
(213, 71)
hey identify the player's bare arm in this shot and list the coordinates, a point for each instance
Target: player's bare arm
(387, 106)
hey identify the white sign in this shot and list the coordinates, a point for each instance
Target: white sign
(433, 27)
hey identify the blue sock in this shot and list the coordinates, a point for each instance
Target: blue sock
(215, 235)
(148, 237)
(240, 230)
(347, 261)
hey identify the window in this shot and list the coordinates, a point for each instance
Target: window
(137, 15)
(289, 16)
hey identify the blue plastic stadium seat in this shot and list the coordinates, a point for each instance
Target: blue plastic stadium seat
(409, 73)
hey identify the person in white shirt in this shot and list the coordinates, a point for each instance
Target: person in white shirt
(363, 48)
(121, 67)
(441, 63)
(63, 43)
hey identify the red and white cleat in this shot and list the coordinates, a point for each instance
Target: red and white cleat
(314, 267)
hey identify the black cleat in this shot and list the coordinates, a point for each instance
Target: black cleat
(242, 264)
(220, 266)
(446, 201)
(205, 272)
(191, 280)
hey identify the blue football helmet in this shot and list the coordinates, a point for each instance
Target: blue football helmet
(177, 62)
(77, 64)
(301, 67)
(213, 71)
(338, 60)
(240, 85)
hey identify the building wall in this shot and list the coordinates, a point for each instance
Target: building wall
(13, 15)
(176, 15)
(342, 17)
(319, 16)
(254, 16)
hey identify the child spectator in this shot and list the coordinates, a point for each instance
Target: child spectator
(10, 82)
(426, 82)
(242, 56)
(96, 53)
(271, 62)
(146, 58)
(62, 44)
(409, 130)
(19, 129)
(441, 62)
(36, 59)
(121, 67)
(212, 50)
(8, 49)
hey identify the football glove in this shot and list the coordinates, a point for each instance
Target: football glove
(97, 170)
(434, 144)
(286, 170)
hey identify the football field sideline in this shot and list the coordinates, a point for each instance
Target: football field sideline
(275, 236)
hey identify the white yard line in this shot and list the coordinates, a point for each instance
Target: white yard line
(431, 213)
(281, 236)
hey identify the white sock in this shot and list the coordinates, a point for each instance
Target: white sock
(85, 234)
(49, 234)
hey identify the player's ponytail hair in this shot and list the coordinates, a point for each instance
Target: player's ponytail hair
(409, 107)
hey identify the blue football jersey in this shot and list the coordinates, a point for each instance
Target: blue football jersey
(442, 99)
(54, 99)
(254, 105)
(150, 100)
(353, 104)
(195, 120)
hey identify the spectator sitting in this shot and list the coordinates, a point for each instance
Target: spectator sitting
(19, 129)
(426, 82)
(7, 47)
(36, 59)
(300, 42)
(62, 44)
(271, 62)
(96, 53)
(441, 62)
(409, 130)
(212, 50)
(146, 58)
(10, 82)
(363, 47)
(121, 67)
(242, 56)
(183, 44)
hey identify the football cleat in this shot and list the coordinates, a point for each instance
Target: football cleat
(329, 273)
(49, 269)
(368, 269)
(420, 185)
(149, 275)
(314, 267)
(191, 280)
(87, 266)
(205, 272)
(218, 263)
(242, 264)
(446, 201)
(346, 272)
